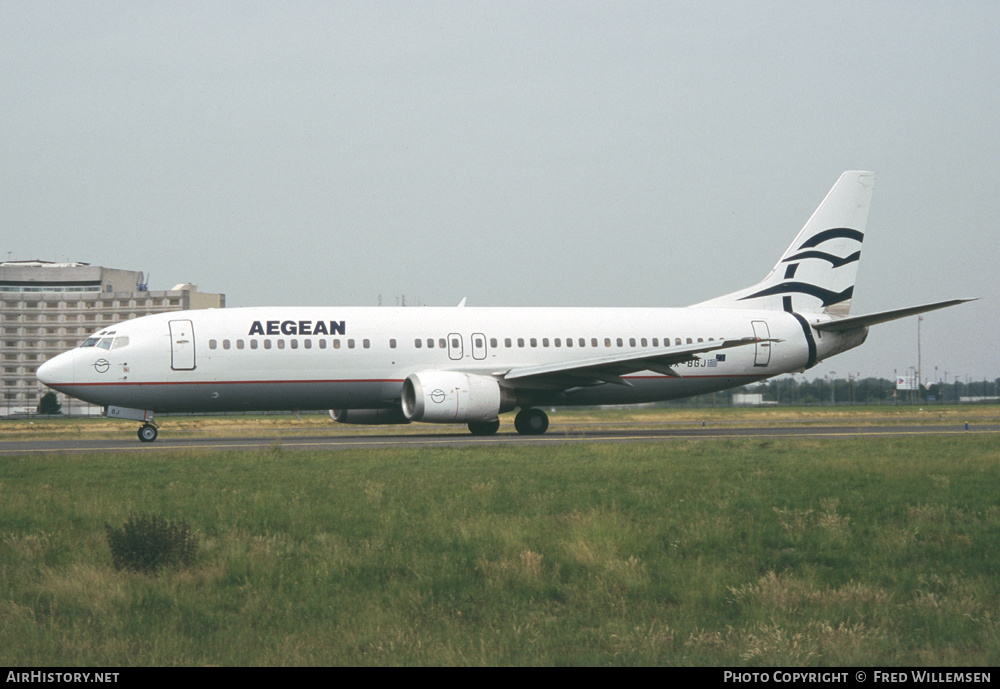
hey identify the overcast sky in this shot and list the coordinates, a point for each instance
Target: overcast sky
(515, 153)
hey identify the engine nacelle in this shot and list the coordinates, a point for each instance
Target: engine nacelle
(368, 417)
(451, 397)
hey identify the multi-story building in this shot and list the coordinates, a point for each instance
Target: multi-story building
(47, 308)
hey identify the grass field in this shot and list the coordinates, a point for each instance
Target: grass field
(730, 552)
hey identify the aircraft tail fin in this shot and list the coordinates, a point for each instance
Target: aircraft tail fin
(816, 273)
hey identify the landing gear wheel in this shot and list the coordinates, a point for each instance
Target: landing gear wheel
(531, 422)
(147, 433)
(484, 427)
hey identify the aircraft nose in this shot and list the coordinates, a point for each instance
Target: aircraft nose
(56, 370)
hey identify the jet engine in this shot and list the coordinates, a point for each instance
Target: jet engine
(368, 417)
(452, 397)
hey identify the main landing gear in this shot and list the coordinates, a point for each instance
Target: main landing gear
(527, 422)
(484, 427)
(147, 433)
(531, 422)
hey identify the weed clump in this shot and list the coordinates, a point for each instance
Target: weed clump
(147, 542)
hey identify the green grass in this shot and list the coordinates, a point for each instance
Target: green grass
(743, 552)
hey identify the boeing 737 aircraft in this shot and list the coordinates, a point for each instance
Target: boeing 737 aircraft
(468, 365)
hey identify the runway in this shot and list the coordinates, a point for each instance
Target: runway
(338, 439)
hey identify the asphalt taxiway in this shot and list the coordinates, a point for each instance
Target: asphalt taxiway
(576, 433)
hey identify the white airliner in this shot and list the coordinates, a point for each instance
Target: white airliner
(468, 365)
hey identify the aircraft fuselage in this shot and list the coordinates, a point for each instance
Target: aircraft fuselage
(258, 359)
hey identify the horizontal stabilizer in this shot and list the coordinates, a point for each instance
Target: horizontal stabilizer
(855, 322)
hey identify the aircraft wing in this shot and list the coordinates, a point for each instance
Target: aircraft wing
(611, 368)
(852, 322)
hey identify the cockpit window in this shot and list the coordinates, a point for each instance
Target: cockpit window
(120, 341)
(103, 340)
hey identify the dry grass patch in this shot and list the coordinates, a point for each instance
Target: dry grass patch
(786, 593)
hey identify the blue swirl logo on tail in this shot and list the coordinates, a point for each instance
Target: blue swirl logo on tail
(806, 251)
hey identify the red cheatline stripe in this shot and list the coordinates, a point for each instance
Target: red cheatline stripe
(220, 382)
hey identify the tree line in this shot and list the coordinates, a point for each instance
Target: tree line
(796, 390)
